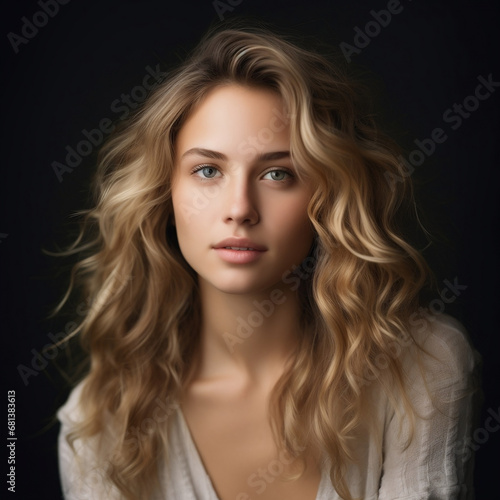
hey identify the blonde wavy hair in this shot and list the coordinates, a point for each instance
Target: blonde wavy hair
(141, 331)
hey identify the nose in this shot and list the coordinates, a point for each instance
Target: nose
(240, 202)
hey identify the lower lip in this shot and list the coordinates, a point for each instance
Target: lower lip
(238, 256)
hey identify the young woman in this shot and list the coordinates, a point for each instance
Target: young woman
(254, 328)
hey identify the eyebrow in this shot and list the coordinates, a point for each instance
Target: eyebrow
(208, 153)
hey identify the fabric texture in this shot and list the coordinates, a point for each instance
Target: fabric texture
(437, 465)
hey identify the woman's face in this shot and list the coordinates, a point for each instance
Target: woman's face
(240, 210)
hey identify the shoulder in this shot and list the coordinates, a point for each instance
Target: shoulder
(71, 412)
(425, 446)
(82, 465)
(444, 335)
(441, 369)
(442, 350)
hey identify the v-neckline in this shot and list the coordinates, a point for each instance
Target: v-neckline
(195, 455)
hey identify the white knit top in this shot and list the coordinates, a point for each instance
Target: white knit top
(437, 465)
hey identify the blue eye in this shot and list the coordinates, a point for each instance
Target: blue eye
(206, 172)
(278, 175)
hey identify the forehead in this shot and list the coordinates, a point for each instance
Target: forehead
(235, 118)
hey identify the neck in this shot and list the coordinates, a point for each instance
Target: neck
(247, 336)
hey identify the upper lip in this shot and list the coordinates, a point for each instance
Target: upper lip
(240, 243)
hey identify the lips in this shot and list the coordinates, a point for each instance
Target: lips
(239, 250)
(240, 244)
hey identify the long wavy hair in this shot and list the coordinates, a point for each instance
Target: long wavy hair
(141, 331)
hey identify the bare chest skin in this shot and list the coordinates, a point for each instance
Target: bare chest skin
(234, 440)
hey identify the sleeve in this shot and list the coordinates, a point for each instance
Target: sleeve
(443, 388)
(83, 475)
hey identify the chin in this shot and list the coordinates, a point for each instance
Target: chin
(235, 286)
(239, 289)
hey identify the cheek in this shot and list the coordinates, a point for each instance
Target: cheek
(295, 226)
(189, 207)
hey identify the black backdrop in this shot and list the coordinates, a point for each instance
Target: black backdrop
(75, 69)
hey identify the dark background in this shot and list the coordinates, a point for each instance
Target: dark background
(65, 79)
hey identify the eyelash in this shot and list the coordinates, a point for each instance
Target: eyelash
(286, 170)
(201, 167)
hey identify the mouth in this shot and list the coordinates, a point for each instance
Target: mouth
(239, 251)
(240, 248)
(239, 244)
